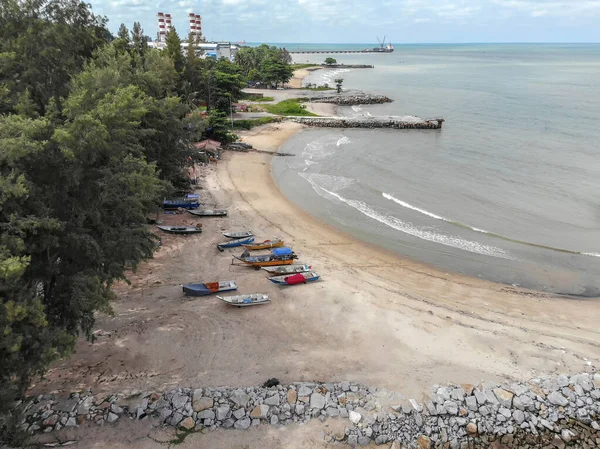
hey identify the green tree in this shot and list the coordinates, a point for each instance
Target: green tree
(338, 84)
(123, 33)
(138, 40)
(173, 50)
(330, 61)
(43, 44)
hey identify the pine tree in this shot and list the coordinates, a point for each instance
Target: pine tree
(173, 50)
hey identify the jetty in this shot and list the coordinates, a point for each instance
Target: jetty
(298, 52)
(368, 122)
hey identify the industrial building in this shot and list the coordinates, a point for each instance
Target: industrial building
(204, 49)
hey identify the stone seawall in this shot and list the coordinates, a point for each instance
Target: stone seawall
(554, 412)
(354, 122)
(352, 100)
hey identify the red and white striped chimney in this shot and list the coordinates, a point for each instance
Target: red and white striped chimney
(162, 33)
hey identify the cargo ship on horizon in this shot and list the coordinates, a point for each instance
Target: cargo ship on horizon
(383, 48)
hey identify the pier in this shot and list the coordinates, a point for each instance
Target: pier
(299, 52)
(370, 122)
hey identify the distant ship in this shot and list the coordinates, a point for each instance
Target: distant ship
(382, 47)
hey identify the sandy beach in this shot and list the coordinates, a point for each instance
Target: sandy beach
(374, 317)
(299, 75)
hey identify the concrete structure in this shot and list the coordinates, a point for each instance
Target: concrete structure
(164, 26)
(195, 26)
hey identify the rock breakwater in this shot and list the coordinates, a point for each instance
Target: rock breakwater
(555, 412)
(368, 122)
(352, 100)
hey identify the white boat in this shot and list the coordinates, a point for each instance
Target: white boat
(287, 269)
(252, 299)
(237, 235)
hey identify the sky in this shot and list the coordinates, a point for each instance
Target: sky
(362, 21)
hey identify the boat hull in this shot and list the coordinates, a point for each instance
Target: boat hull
(267, 244)
(209, 212)
(208, 288)
(180, 229)
(234, 243)
(295, 279)
(237, 235)
(287, 269)
(254, 299)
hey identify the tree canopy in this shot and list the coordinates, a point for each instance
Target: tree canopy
(265, 64)
(95, 131)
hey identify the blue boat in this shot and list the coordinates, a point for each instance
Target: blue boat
(208, 288)
(234, 243)
(183, 203)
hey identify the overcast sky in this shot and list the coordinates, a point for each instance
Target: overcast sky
(360, 21)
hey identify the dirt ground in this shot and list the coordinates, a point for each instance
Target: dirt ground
(374, 318)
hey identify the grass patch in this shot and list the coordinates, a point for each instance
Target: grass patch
(262, 99)
(302, 66)
(252, 122)
(288, 107)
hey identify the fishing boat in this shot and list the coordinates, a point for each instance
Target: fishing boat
(209, 212)
(183, 203)
(298, 278)
(234, 243)
(253, 299)
(279, 256)
(208, 287)
(287, 269)
(181, 229)
(267, 244)
(237, 235)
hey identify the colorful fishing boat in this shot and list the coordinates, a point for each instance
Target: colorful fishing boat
(267, 244)
(234, 243)
(181, 203)
(208, 288)
(180, 229)
(237, 235)
(209, 212)
(253, 299)
(287, 269)
(294, 279)
(279, 256)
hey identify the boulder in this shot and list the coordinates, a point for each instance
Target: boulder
(317, 401)
(504, 397)
(240, 398)
(202, 403)
(557, 399)
(260, 411)
(272, 400)
(423, 442)
(292, 397)
(206, 414)
(472, 428)
(222, 412)
(239, 413)
(354, 417)
(242, 424)
(188, 423)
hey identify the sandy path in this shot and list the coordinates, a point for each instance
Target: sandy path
(374, 318)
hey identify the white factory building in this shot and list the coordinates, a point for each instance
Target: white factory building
(205, 49)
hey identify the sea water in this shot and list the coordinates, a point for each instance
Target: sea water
(508, 190)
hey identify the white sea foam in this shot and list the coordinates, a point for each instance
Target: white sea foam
(342, 141)
(591, 254)
(329, 182)
(410, 206)
(407, 228)
(356, 108)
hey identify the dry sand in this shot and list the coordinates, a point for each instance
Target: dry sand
(299, 75)
(373, 318)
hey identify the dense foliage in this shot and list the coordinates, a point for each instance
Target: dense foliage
(95, 130)
(270, 66)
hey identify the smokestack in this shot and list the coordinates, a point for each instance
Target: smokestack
(162, 33)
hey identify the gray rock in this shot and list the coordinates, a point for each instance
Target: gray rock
(562, 381)
(471, 403)
(299, 409)
(567, 435)
(317, 401)
(239, 413)
(179, 400)
(343, 413)
(368, 432)
(504, 412)
(518, 416)
(484, 410)
(112, 417)
(228, 423)
(355, 417)
(353, 440)
(84, 407)
(481, 399)
(451, 407)
(67, 405)
(240, 398)
(242, 424)
(222, 412)
(206, 414)
(116, 409)
(523, 403)
(272, 400)
(71, 422)
(557, 399)
(274, 420)
(363, 440)
(345, 386)
(304, 391)
(381, 439)
(332, 411)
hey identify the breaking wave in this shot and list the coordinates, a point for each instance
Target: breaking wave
(483, 231)
(395, 223)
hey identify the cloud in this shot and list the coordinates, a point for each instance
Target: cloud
(363, 20)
